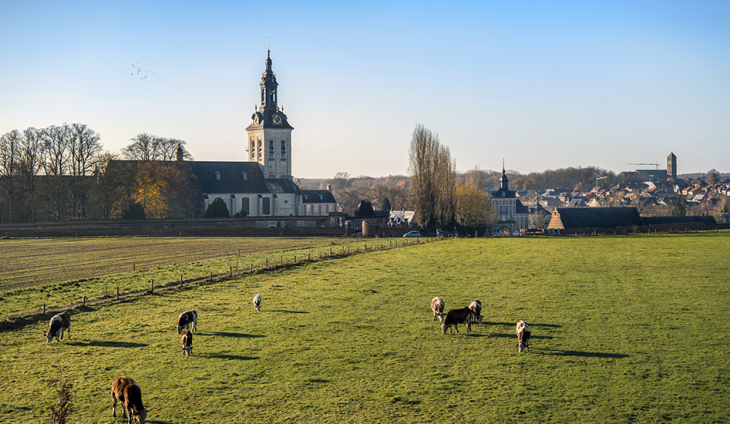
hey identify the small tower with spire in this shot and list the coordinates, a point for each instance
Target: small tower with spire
(269, 134)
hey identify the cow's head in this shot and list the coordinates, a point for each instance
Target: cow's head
(522, 345)
(187, 350)
(443, 328)
(140, 416)
(178, 329)
(48, 336)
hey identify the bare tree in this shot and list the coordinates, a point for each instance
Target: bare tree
(433, 179)
(539, 220)
(147, 147)
(56, 144)
(340, 181)
(85, 147)
(30, 163)
(9, 153)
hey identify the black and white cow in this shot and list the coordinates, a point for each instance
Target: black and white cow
(187, 319)
(437, 306)
(59, 323)
(257, 303)
(523, 336)
(476, 307)
(455, 317)
(186, 338)
(126, 391)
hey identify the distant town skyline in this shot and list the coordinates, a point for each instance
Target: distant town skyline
(542, 85)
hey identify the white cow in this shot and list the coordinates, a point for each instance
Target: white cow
(59, 323)
(437, 306)
(476, 307)
(257, 303)
(523, 336)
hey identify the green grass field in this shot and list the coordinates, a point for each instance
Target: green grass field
(625, 329)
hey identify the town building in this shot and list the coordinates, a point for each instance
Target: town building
(512, 216)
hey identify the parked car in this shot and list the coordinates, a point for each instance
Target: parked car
(412, 234)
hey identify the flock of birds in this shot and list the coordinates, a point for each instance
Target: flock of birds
(143, 75)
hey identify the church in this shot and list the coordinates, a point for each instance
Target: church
(512, 216)
(263, 185)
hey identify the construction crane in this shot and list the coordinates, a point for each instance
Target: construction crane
(600, 178)
(655, 164)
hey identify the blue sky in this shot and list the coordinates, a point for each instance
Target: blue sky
(543, 85)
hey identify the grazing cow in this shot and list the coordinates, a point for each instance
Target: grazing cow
(59, 323)
(257, 302)
(126, 391)
(523, 336)
(189, 318)
(457, 316)
(186, 338)
(437, 306)
(476, 307)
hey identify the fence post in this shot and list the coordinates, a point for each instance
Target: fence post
(44, 308)
(117, 292)
(251, 268)
(152, 286)
(211, 276)
(330, 251)
(295, 258)
(181, 279)
(281, 259)
(83, 302)
(133, 267)
(239, 252)
(230, 271)
(319, 251)
(266, 262)
(308, 256)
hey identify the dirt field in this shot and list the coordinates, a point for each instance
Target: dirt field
(31, 262)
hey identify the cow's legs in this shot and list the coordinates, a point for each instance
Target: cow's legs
(68, 330)
(114, 405)
(456, 327)
(129, 415)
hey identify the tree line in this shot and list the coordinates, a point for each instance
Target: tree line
(62, 172)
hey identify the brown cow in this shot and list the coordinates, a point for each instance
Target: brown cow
(523, 336)
(129, 394)
(476, 307)
(188, 318)
(437, 306)
(457, 316)
(186, 338)
(257, 303)
(59, 323)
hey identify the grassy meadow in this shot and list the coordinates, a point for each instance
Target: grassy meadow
(625, 329)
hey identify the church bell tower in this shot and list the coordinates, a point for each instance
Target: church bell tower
(269, 134)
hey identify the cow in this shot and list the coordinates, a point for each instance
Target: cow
(59, 323)
(476, 307)
(126, 391)
(437, 306)
(257, 303)
(186, 338)
(187, 319)
(457, 316)
(523, 336)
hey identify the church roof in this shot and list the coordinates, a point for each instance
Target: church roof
(238, 177)
(318, 196)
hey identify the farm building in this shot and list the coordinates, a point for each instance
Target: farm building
(575, 218)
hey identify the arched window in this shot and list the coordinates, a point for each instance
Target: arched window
(245, 205)
(266, 206)
(262, 95)
(283, 150)
(271, 149)
(260, 150)
(252, 150)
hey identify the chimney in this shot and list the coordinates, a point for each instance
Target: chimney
(329, 187)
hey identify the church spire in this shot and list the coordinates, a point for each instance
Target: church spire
(268, 86)
(503, 182)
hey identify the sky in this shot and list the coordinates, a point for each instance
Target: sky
(542, 85)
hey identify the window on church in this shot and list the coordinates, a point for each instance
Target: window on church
(252, 150)
(262, 95)
(308, 210)
(260, 150)
(283, 150)
(266, 206)
(217, 175)
(245, 205)
(244, 174)
(271, 149)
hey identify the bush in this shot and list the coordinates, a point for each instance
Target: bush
(217, 209)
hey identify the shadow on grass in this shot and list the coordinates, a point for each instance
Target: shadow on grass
(514, 336)
(288, 312)
(235, 335)
(226, 356)
(514, 324)
(582, 354)
(104, 343)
